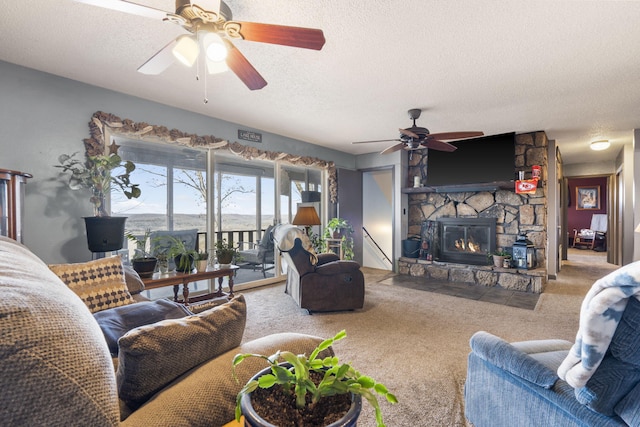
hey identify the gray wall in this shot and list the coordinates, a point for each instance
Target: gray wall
(43, 116)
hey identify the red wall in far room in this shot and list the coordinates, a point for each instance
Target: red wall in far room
(582, 218)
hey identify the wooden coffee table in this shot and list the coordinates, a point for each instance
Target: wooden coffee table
(176, 279)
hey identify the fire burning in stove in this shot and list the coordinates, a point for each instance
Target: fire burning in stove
(467, 245)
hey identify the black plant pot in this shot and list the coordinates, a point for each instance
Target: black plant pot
(105, 233)
(144, 266)
(181, 263)
(252, 418)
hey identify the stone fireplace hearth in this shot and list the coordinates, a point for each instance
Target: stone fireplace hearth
(512, 213)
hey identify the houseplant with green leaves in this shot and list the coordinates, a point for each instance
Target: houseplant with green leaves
(143, 262)
(498, 256)
(101, 174)
(225, 252)
(339, 228)
(181, 255)
(309, 382)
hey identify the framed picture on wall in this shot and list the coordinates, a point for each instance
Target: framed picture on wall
(588, 197)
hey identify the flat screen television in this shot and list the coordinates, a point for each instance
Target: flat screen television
(483, 160)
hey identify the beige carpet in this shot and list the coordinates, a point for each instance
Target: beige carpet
(416, 342)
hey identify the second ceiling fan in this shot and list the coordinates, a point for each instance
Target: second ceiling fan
(210, 30)
(416, 137)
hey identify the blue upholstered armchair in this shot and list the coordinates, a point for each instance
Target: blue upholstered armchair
(592, 382)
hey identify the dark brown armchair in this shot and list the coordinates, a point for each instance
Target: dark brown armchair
(318, 282)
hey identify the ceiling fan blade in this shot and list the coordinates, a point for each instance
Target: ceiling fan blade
(377, 140)
(454, 135)
(160, 61)
(243, 68)
(307, 38)
(393, 148)
(408, 133)
(435, 144)
(128, 7)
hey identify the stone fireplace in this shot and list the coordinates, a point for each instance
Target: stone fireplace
(510, 213)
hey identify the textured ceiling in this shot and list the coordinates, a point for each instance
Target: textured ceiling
(570, 68)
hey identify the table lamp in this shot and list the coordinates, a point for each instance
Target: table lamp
(306, 216)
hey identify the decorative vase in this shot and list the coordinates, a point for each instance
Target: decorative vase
(145, 267)
(105, 233)
(201, 265)
(252, 419)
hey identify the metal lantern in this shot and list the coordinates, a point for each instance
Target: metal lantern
(524, 253)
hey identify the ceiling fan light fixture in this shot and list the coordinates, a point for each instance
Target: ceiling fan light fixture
(216, 67)
(214, 47)
(600, 145)
(186, 50)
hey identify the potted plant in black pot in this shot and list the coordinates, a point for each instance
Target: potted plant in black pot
(101, 174)
(307, 389)
(181, 255)
(142, 261)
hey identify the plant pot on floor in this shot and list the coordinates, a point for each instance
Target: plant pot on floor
(145, 267)
(105, 233)
(253, 419)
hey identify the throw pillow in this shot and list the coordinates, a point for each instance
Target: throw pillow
(118, 321)
(99, 283)
(152, 356)
(135, 285)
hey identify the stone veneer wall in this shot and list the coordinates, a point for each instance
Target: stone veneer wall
(515, 213)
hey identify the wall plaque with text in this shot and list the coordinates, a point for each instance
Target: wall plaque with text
(248, 135)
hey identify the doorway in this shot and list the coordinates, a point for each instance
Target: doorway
(377, 218)
(589, 213)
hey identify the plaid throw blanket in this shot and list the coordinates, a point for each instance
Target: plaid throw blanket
(600, 314)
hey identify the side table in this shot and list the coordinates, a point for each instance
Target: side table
(176, 279)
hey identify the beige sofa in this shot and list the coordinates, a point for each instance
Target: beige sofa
(56, 368)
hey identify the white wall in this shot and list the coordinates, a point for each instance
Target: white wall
(43, 116)
(377, 218)
(399, 220)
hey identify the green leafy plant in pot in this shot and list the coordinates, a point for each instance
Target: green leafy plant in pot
(143, 262)
(182, 256)
(101, 174)
(202, 261)
(225, 252)
(308, 385)
(339, 228)
(498, 257)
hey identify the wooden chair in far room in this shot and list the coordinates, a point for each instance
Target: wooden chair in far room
(594, 237)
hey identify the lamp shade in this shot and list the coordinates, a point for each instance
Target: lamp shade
(306, 215)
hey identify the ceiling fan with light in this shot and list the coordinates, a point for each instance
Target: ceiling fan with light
(210, 30)
(416, 137)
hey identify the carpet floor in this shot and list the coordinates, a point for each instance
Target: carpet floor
(416, 342)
